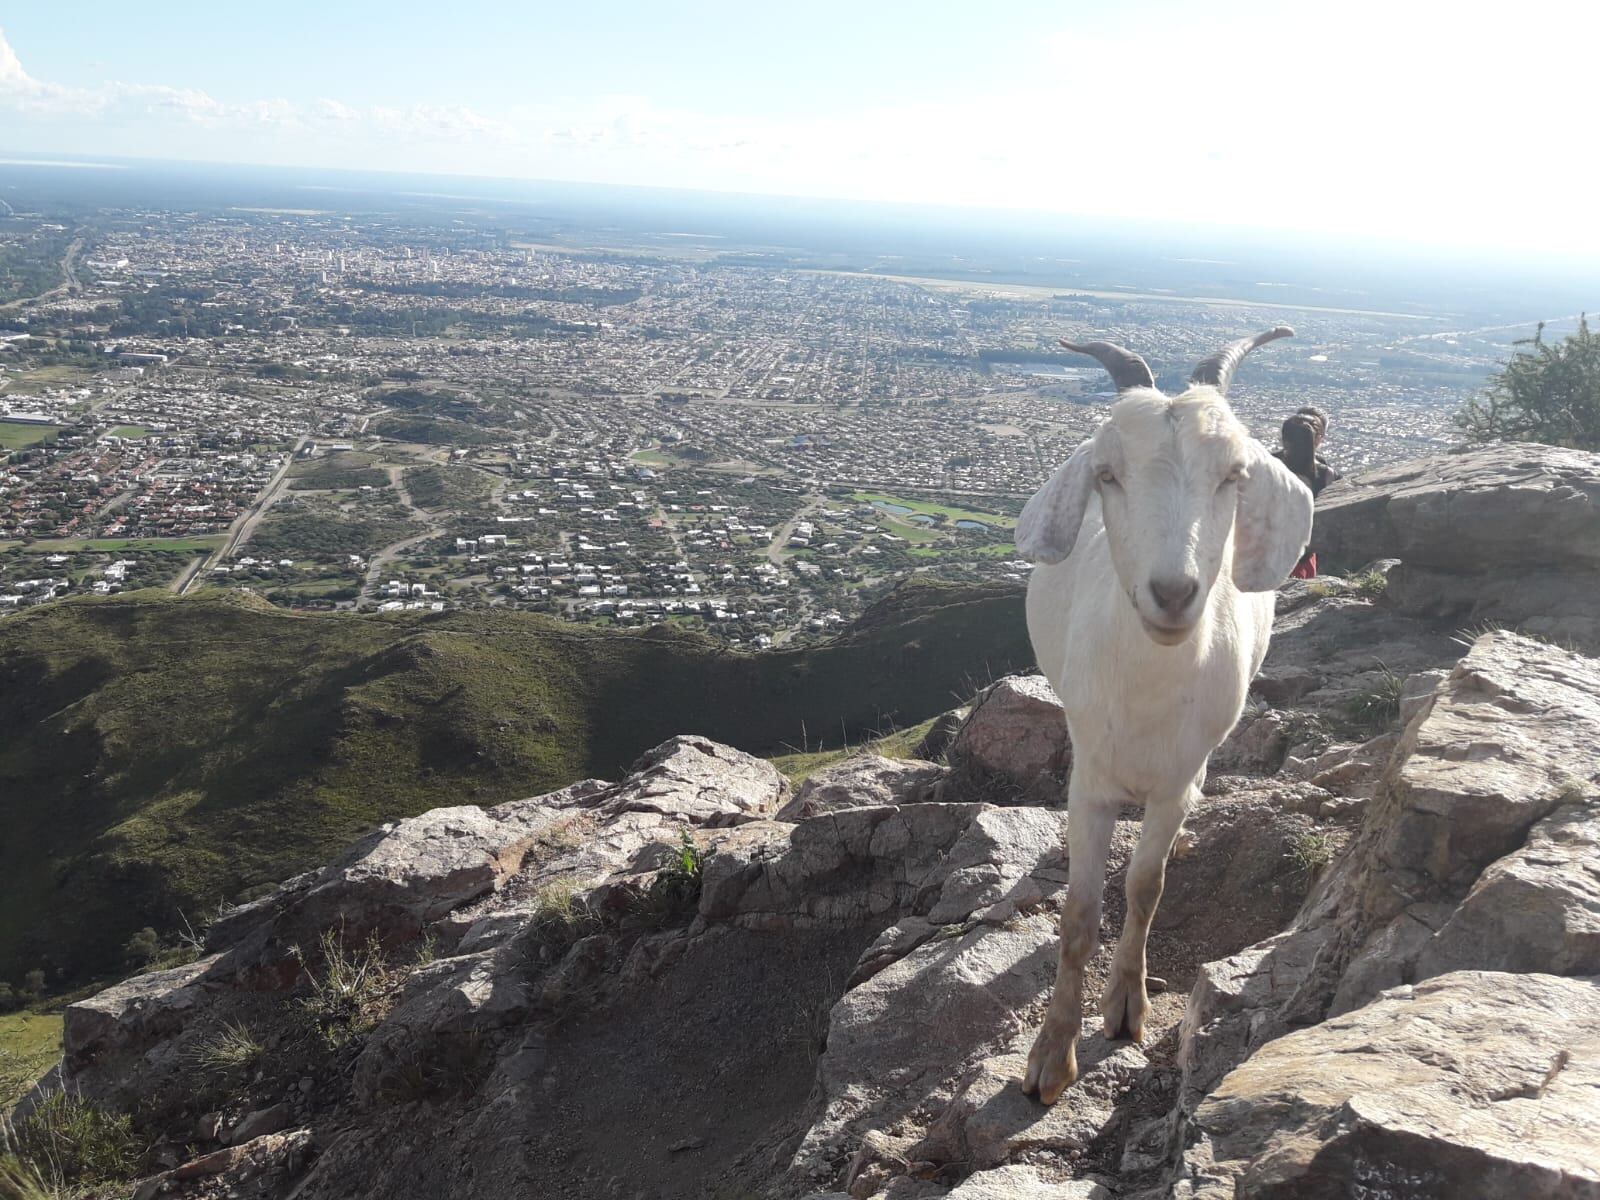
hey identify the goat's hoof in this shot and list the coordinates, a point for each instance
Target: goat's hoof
(1124, 1007)
(1052, 1063)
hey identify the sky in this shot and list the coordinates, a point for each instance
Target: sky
(1451, 124)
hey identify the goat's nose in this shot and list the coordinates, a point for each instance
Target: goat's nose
(1173, 595)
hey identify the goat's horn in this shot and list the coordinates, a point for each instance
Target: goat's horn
(1219, 368)
(1127, 369)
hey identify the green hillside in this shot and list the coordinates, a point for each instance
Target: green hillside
(159, 755)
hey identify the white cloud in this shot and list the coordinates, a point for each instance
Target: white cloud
(1410, 120)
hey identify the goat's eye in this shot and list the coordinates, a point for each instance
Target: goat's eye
(1106, 475)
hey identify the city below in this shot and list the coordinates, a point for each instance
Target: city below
(457, 404)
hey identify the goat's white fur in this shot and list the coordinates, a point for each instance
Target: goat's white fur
(1172, 491)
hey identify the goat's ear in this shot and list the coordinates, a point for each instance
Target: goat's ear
(1048, 527)
(1272, 525)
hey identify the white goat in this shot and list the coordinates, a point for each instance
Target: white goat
(1162, 539)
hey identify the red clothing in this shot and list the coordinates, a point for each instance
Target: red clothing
(1306, 568)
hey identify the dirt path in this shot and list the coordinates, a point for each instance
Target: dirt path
(375, 567)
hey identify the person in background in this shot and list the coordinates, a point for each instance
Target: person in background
(1302, 442)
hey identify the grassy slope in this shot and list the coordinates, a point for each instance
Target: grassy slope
(29, 1044)
(161, 754)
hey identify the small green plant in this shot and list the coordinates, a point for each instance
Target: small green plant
(1321, 589)
(1369, 584)
(349, 991)
(232, 1049)
(676, 887)
(1379, 706)
(66, 1142)
(1310, 852)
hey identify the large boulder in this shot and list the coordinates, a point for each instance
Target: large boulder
(1508, 533)
(1013, 746)
(1474, 1084)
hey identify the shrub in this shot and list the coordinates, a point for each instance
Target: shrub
(1369, 584)
(350, 991)
(1549, 393)
(141, 947)
(1379, 706)
(1310, 852)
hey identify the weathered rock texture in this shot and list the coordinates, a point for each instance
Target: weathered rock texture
(1476, 855)
(1379, 946)
(1506, 533)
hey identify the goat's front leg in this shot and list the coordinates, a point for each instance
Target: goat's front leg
(1053, 1061)
(1125, 1003)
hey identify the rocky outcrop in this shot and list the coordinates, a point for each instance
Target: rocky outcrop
(1504, 533)
(1476, 854)
(1472, 1084)
(864, 780)
(1378, 949)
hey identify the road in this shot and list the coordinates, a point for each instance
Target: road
(243, 525)
(808, 503)
(69, 279)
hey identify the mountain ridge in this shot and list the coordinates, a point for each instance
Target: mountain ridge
(169, 754)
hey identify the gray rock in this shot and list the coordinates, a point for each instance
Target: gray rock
(260, 1123)
(136, 1013)
(997, 864)
(700, 782)
(843, 867)
(1506, 532)
(1256, 746)
(861, 781)
(1016, 734)
(911, 1031)
(1474, 1084)
(990, 1121)
(1487, 759)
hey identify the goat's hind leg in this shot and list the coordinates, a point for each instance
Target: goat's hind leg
(1053, 1061)
(1125, 1003)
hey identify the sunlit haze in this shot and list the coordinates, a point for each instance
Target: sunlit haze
(1450, 124)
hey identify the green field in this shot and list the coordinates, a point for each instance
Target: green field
(192, 545)
(159, 754)
(128, 431)
(993, 520)
(15, 435)
(996, 550)
(30, 1043)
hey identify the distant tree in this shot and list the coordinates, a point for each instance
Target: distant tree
(142, 947)
(8, 997)
(33, 983)
(1548, 393)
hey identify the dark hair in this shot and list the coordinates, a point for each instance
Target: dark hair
(1299, 443)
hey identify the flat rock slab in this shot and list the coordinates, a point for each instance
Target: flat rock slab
(1474, 1084)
